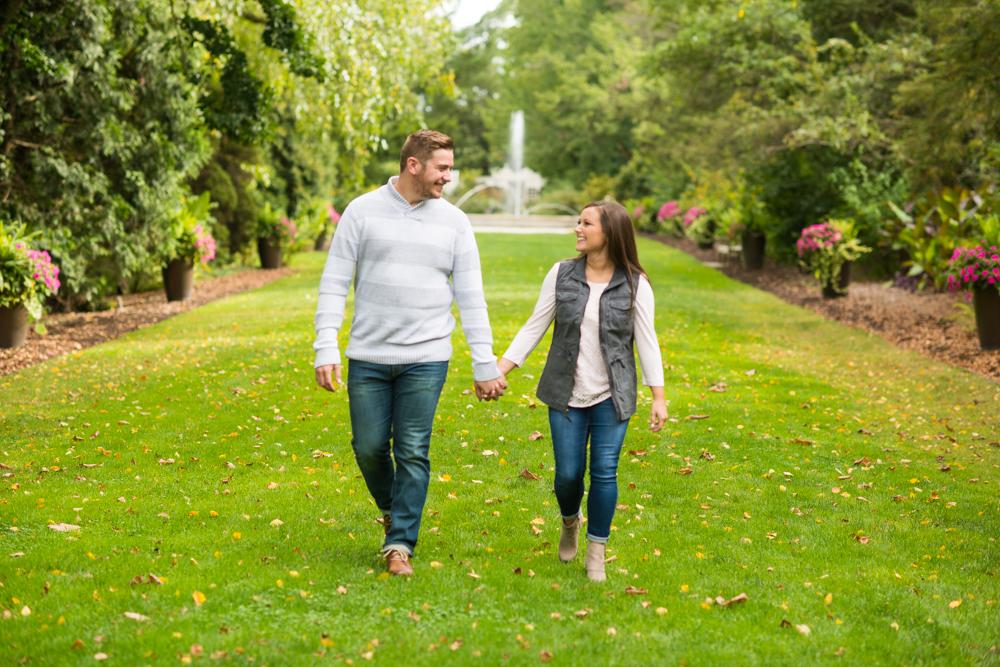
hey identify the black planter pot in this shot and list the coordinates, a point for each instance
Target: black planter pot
(13, 326)
(322, 243)
(845, 279)
(753, 251)
(706, 245)
(270, 256)
(986, 304)
(178, 278)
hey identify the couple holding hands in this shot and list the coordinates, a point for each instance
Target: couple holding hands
(411, 254)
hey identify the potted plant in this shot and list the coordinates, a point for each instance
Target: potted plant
(26, 275)
(977, 269)
(667, 218)
(700, 227)
(326, 234)
(828, 249)
(753, 221)
(189, 242)
(274, 232)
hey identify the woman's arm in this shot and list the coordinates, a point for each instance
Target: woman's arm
(650, 358)
(534, 329)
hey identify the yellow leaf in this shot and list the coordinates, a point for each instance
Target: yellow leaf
(954, 603)
(326, 642)
(237, 535)
(193, 513)
(684, 588)
(199, 597)
(213, 513)
(828, 599)
(279, 583)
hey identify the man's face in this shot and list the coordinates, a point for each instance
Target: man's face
(433, 175)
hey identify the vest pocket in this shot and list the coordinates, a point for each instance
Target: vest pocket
(619, 314)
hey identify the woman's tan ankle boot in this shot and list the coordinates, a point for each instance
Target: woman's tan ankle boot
(569, 539)
(595, 561)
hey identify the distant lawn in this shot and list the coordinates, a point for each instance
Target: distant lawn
(199, 451)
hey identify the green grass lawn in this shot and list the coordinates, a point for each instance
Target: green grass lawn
(848, 488)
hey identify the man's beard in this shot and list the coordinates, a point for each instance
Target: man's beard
(427, 188)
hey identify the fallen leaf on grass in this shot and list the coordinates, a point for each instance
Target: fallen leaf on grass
(416, 619)
(803, 628)
(696, 417)
(864, 431)
(800, 441)
(436, 565)
(685, 471)
(17, 554)
(198, 598)
(277, 522)
(272, 485)
(341, 590)
(63, 527)
(165, 462)
(632, 590)
(100, 656)
(537, 435)
(544, 656)
(944, 468)
(527, 474)
(135, 616)
(751, 372)
(954, 603)
(863, 539)
(518, 570)
(472, 573)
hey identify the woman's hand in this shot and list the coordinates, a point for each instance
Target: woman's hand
(658, 413)
(505, 366)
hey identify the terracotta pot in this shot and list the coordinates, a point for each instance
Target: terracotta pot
(13, 326)
(753, 251)
(270, 256)
(178, 278)
(986, 304)
(845, 279)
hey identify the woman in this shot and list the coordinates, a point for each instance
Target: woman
(601, 301)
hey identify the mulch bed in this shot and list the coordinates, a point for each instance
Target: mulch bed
(927, 322)
(70, 332)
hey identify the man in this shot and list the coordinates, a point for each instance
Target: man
(401, 244)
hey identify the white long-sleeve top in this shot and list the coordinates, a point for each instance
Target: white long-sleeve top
(590, 380)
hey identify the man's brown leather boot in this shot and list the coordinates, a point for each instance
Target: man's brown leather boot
(399, 562)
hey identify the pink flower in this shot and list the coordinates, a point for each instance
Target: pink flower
(334, 216)
(692, 214)
(668, 210)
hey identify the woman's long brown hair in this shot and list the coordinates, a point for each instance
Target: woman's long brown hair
(619, 237)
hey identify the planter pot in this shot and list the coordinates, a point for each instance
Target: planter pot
(178, 277)
(845, 280)
(13, 326)
(706, 245)
(986, 304)
(322, 243)
(270, 256)
(753, 251)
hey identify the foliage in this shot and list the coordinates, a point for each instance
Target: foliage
(824, 248)
(26, 275)
(189, 239)
(934, 228)
(275, 228)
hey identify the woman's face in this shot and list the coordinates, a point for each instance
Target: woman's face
(589, 233)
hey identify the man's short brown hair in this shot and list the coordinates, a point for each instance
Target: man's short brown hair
(422, 144)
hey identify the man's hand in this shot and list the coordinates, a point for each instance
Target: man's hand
(491, 390)
(325, 376)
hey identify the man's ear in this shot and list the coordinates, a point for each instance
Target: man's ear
(413, 165)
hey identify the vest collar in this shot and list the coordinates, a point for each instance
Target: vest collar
(579, 273)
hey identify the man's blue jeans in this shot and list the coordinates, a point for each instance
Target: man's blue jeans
(395, 403)
(606, 433)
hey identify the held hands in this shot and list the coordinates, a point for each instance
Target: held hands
(494, 389)
(325, 376)
(491, 390)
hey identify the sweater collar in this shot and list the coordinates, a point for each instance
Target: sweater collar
(398, 201)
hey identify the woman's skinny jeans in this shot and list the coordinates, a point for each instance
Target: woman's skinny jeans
(570, 432)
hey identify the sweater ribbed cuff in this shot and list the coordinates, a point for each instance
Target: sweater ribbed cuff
(485, 372)
(327, 356)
